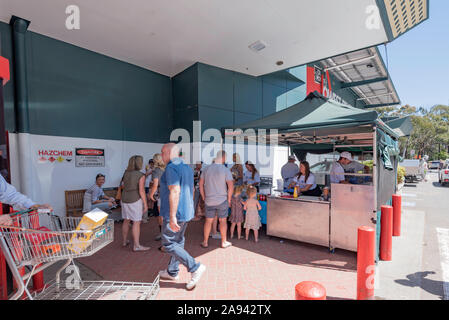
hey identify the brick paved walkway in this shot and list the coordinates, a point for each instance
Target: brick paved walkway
(268, 269)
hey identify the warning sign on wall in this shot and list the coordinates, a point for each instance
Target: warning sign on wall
(89, 157)
(54, 156)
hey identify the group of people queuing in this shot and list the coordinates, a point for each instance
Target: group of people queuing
(176, 194)
(221, 190)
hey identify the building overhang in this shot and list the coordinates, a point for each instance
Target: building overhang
(169, 36)
(365, 73)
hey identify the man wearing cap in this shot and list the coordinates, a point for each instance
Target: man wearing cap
(343, 165)
(289, 171)
(353, 166)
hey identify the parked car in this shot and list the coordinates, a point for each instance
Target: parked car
(321, 170)
(434, 165)
(443, 175)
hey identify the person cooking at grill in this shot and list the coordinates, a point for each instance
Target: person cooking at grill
(305, 180)
(345, 165)
(337, 170)
(289, 171)
(9, 195)
(354, 167)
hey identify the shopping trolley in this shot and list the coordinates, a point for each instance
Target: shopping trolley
(38, 239)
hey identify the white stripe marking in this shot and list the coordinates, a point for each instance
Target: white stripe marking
(409, 204)
(412, 195)
(443, 241)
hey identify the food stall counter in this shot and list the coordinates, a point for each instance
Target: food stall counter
(305, 219)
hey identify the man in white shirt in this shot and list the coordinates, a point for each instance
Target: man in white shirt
(289, 171)
(345, 165)
(337, 170)
(354, 166)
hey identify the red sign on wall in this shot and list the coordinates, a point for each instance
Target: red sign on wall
(89, 157)
(320, 81)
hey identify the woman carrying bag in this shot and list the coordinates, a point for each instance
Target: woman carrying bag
(134, 201)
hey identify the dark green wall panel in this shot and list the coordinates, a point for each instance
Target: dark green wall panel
(247, 94)
(278, 78)
(248, 97)
(8, 89)
(184, 119)
(215, 87)
(215, 118)
(240, 118)
(185, 88)
(274, 98)
(79, 93)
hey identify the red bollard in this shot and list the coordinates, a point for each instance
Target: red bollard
(38, 281)
(386, 232)
(366, 244)
(397, 208)
(309, 290)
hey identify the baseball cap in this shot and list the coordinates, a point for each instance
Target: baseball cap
(346, 155)
(291, 158)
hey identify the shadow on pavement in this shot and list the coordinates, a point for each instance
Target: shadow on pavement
(336, 298)
(121, 264)
(410, 185)
(287, 251)
(418, 279)
(438, 185)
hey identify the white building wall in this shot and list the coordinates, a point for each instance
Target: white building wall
(46, 182)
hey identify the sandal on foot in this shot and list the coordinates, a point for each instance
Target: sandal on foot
(125, 244)
(204, 246)
(141, 248)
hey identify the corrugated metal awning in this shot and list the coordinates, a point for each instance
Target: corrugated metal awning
(364, 72)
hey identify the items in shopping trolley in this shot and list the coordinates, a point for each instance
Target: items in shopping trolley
(50, 249)
(91, 220)
(41, 241)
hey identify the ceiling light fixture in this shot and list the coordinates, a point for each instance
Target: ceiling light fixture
(257, 46)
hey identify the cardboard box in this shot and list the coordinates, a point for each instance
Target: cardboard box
(91, 220)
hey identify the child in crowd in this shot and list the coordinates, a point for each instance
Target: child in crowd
(252, 206)
(236, 217)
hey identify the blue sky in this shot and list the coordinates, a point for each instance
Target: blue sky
(419, 60)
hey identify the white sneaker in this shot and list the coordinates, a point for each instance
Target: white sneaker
(165, 275)
(196, 276)
(216, 236)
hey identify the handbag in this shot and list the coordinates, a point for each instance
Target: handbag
(118, 196)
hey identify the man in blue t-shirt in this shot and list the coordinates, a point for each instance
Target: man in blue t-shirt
(176, 194)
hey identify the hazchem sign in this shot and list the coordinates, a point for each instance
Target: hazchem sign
(54, 156)
(89, 157)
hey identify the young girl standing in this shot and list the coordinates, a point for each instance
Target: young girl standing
(236, 217)
(252, 206)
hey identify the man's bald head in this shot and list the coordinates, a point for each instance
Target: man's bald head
(169, 151)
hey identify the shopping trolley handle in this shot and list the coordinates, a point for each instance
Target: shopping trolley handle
(13, 214)
(30, 210)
